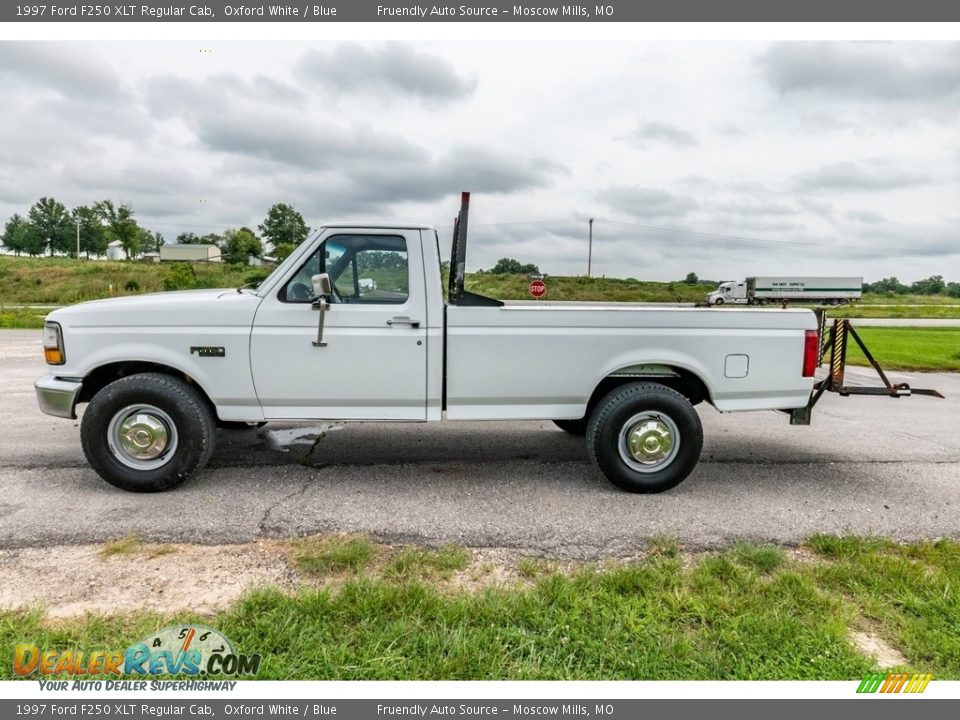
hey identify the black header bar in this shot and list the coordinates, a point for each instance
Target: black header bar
(484, 11)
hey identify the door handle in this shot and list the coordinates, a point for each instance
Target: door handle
(403, 320)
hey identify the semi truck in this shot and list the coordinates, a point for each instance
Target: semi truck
(762, 290)
(158, 374)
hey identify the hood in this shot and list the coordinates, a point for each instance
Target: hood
(222, 307)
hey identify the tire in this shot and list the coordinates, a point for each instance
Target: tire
(719, 301)
(170, 432)
(636, 412)
(574, 427)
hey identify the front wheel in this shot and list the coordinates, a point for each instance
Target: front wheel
(645, 437)
(147, 432)
(718, 301)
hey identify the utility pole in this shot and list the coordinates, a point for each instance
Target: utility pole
(78, 239)
(590, 249)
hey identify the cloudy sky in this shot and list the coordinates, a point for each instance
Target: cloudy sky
(724, 159)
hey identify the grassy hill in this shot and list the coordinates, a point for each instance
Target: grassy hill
(60, 281)
(515, 287)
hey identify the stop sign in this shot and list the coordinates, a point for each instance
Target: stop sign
(538, 288)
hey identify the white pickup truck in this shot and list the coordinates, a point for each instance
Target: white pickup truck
(160, 372)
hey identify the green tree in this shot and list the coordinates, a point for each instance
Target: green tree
(510, 266)
(188, 238)
(691, 279)
(121, 226)
(149, 241)
(284, 226)
(16, 234)
(932, 285)
(953, 289)
(213, 239)
(50, 225)
(889, 285)
(283, 250)
(241, 245)
(93, 234)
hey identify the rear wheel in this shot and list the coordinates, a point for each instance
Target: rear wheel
(574, 427)
(147, 432)
(645, 437)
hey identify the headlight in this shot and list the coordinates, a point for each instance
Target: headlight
(53, 344)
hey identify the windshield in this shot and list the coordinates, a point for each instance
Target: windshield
(280, 269)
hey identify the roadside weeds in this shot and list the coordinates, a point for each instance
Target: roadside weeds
(831, 608)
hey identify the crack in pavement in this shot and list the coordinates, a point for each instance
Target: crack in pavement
(261, 525)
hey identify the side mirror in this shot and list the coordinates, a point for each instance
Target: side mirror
(322, 287)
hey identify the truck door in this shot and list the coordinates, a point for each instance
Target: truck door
(374, 362)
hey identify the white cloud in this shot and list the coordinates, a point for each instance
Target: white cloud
(743, 158)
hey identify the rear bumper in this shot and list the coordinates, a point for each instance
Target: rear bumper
(57, 396)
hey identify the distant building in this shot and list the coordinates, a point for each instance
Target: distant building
(115, 251)
(264, 261)
(190, 253)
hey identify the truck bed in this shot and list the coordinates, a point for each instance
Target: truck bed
(542, 360)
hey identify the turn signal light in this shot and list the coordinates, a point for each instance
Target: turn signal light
(53, 344)
(811, 353)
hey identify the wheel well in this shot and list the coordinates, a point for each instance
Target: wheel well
(102, 376)
(682, 381)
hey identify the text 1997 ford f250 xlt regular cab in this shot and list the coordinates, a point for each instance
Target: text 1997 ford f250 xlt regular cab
(353, 326)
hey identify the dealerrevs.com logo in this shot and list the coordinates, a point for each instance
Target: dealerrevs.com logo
(192, 650)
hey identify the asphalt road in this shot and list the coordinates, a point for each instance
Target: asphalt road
(867, 466)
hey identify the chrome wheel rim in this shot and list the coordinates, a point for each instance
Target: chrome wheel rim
(649, 441)
(142, 437)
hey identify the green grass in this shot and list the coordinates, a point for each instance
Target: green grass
(124, 546)
(60, 281)
(23, 318)
(418, 563)
(912, 591)
(322, 555)
(529, 567)
(928, 311)
(878, 299)
(751, 612)
(909, 348)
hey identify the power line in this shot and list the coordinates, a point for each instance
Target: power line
(518, 223)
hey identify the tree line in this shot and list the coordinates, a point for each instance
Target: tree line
(50, 229)
(933, 285)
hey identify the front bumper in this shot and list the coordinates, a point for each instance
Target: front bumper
(57, 396)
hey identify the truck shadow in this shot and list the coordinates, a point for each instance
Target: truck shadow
(338, 444)
(396, 444)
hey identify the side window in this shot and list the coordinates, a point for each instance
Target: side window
(382, 275)
(364, 269)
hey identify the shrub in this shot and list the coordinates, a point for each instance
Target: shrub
(180, 276)
(256, 277)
